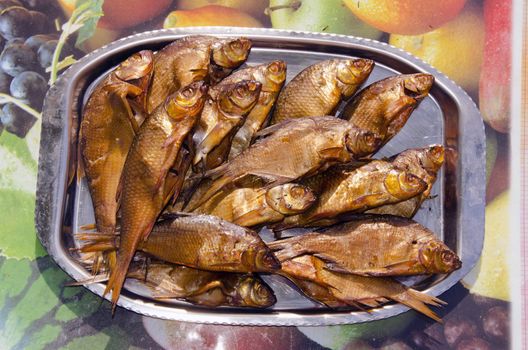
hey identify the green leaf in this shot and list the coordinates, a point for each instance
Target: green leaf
(95, 8)
(42, 337)
(18, 239)
(41, 297)
(17, 272)
(66, 62)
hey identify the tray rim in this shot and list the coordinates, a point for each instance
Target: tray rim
(48, 189)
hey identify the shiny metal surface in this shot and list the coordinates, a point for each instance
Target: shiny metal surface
(448, 116)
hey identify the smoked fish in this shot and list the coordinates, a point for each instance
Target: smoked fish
(373, 245)
(291, 150)
(151, 156)
(319, 88)
(423, 163)
(224, 112)
(191, 59)
(385, 106)
(341, 190)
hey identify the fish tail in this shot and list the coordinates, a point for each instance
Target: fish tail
(117, 278)
(418, 300)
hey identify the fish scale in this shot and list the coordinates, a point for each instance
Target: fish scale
(317, 90)
(344, 190)
(381, 246)
(152, 154)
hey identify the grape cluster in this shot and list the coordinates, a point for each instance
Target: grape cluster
(27, 41)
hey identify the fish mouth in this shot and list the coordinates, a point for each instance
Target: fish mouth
(418, 85)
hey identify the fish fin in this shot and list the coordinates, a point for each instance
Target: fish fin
(417, 301)
(331, 153)
(117, 278)
(79, 173)
(251, 218)
(90, 280)
(335, 267)
(272, 129)
(208, 287)
(175, 214)
(268, 131)
(88, 227)
(272, 179)
(216, 186)
(396, 269)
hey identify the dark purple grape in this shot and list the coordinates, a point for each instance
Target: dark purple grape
(8, 3)
(16, 120)
(18, 58)
(40, 23)
(473, 343)
(38, 4)
(31, 87)
(457, 328)
(496, 324)
(14, 41)
(35, 41)
(45, 53)
(15, 22)
(358, 344)
(5, 83)
(394, 344)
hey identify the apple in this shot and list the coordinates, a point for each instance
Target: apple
(184, 335)
(495, 77)
(254, 8)
(329, 16)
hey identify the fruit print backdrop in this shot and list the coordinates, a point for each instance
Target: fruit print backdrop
(38, 312)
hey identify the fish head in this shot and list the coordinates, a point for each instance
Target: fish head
(418, 85)
(254, 292)
(290, 198)
(432, 158)
(261, 258)
(231, 53)
(404, 185)
(189, 100)
(362, 143)
(240, 97)
(352, 72)
(136, 66)
(275, 75)
(436, 257)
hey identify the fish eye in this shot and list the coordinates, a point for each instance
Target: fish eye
(236, 45)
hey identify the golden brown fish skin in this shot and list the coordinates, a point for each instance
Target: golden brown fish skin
(385, 106)
(223, 114)
(357, 290)
(152, 154)
(209, 243)
(272, 76)
(341, 190)
(319, 88)
(106, 134)
(422, 162)
(204, 287)
(191, 59)
(382, 246)
(251, 206)
(294, 149)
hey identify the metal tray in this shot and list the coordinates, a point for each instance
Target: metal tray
(447, 116)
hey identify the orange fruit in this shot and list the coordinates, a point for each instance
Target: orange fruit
(455, 49)
(121, 14)
(212, 15)
(405, 16)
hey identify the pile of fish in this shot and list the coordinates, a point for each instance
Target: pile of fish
(187, 154)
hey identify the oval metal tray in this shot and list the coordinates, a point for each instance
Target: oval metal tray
(447, 116)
